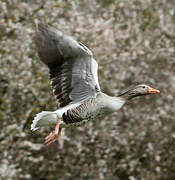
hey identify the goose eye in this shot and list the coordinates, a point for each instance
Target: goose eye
(143, 86)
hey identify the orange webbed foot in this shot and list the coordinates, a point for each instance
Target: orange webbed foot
(54, 135)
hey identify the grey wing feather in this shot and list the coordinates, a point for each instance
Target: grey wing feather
(73, 71)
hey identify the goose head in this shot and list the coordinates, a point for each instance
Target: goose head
(139, 90)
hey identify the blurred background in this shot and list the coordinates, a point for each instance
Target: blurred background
(133, 42)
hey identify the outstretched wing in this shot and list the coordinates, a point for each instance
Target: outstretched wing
(73, 71)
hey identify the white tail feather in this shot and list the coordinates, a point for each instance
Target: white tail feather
(48, 118)
(43, 119)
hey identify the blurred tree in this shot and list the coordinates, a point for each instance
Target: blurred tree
(133, 41)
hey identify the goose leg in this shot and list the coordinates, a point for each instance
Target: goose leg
(53, 136)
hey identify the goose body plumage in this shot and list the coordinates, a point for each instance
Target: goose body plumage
(93, 108)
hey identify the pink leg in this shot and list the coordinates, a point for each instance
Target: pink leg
(53, 136)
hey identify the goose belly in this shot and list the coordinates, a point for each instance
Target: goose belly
(85, 112)
(69, 121)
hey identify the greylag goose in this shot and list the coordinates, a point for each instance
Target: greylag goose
(74, 80)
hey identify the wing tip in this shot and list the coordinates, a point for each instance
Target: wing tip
(46, 29)
(40, 26)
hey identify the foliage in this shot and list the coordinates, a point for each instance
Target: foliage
(133, 42)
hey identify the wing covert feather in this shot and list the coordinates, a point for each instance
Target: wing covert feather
(73, 71)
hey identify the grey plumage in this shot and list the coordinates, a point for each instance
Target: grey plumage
(73, 76)
(71, 66)
(92, 108)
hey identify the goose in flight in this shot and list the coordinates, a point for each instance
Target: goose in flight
(74, 80)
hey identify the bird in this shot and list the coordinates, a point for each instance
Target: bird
(74, 81)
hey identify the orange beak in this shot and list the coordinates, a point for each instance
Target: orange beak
(153, 91)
